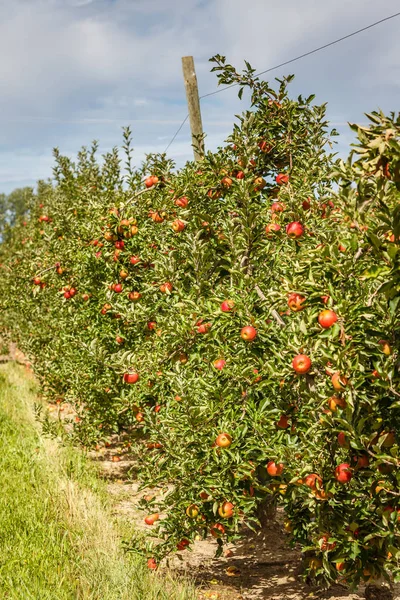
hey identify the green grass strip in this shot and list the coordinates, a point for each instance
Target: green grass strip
(57, 538)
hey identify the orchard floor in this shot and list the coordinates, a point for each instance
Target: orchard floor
(261, 567)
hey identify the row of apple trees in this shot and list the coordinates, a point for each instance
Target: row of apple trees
(239, 318)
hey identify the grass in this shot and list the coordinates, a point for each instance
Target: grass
(58, 540)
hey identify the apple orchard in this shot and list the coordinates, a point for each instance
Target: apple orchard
(239, 318)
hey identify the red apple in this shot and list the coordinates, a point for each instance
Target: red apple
(339, 382)
(334, 402)
(119, 245)
(203, 327)
(343, 473)
(296, 302)
(151, 519)
(151, 325)
(182, 202)
(226, 181)
(342, 440)
(313, 481)
(134, 260)
(362, 461)
(275, 469)
(227, 305)
(118, 288)
(282, 179)
(272, 227)
(327, 318)
(217, 530)
(226, 510)
(306, 204)
(240, 175)
(283, 422)
(151, 563)
(182, 545)
(277, 207)
(223, 440)
(259, 184)
(166, 287)
(150, 181)
(220, 364)
(178, 225)
(134, 296)
(131, 377)
(325, 545)
(248, 333)
(294, 230)
(301, 364)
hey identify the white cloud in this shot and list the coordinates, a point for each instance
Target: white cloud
(83, 68)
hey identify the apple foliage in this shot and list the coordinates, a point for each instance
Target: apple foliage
(110, 276)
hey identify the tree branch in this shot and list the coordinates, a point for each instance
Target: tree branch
(274, 313)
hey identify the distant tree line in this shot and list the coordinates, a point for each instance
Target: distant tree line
(13, 207)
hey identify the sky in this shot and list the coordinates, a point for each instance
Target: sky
(77, 70)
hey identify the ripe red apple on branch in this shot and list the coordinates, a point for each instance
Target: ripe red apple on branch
(277, 207)
(226, 510)
(219, 364)
(283, 422)
(227, 305)
(166, 287)
(182, 202)
(327, 318)
(301, 364)
(223, 440)
(152, 564)
(178, 225)
(248, 333)
(275, 469)
(272, 228)
(131, 377)
(217, 530)
(282, 179)
(296, 302)
(295, 230)
(343, 473)
(339, 382)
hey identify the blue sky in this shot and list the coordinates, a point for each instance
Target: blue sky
(77, 70)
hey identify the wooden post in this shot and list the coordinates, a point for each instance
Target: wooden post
(192, 95)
